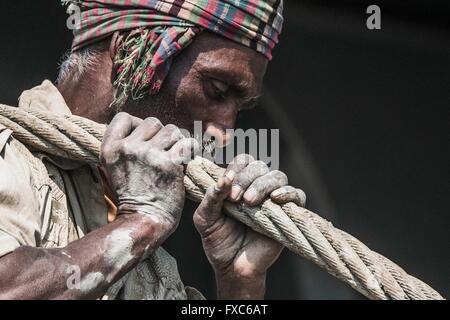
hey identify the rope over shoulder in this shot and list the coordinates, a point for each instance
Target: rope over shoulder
(298, 229)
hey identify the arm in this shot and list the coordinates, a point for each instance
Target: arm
(236, 287)
(142, 163)
(85, 268)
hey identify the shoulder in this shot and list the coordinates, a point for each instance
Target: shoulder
(17, 166)
(15, 159)
(11, 159)
(19, 201)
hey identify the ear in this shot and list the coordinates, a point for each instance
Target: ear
(114, 45)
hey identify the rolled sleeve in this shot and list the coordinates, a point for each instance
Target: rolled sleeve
(19, 206)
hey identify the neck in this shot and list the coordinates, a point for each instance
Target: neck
(92, 94)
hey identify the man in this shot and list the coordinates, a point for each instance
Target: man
(77, 232)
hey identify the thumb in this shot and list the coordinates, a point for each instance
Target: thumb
(210, 209)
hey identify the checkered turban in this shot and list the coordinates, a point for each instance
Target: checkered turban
(156, 31)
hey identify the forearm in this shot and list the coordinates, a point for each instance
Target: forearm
(234, 287)
(84, 269)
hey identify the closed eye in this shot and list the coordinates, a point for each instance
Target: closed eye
(216, 89)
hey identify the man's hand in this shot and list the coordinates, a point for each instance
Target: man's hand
(142, 162)
(240, 256)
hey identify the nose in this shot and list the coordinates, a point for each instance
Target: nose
(219, 124)
(219, 133)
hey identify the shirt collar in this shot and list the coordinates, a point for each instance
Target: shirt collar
(46, 97)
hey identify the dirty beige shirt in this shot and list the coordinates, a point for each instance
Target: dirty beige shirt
(63, 205)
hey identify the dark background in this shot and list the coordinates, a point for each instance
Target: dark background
(364, 124)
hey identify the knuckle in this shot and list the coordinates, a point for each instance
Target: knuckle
(302, 195)
(193, 143)
(189, 146)
(195, 147)
(197, 218)
(174, 132)
(142, 150)
(210, 193)
(190, 149)
(105, 156)
(121, 116)
(127, 148)
(243, 159)
(106, 149)
(240, 178)
(280, 176)
(154, 122)
(259, 185)
(108, 152)
(260, 165)
(172, 128)
(288, 189)
(167, 164)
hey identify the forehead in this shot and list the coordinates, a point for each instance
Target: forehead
(217, 54)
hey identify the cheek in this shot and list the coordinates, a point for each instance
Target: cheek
(140, 108)
(194, 105)
(191, 99)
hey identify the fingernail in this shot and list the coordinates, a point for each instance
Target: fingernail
(219, 185)
(250, 195)
(236, 192)
(230, 175)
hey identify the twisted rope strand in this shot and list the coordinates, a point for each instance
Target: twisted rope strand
(300, 230)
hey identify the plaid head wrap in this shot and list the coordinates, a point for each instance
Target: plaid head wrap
(159, 30)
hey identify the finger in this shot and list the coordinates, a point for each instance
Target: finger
(263, 186)
(245, 177)
(289, 194)
(167, 137)
(146, 130)
(210, 209)
(120, 127)
(239, 163)
(185, 150)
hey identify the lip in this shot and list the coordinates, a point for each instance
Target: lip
(218, 133)
(209, 146)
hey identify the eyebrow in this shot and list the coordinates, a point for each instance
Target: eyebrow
(250, 103)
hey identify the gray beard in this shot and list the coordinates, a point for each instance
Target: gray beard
(161, 106)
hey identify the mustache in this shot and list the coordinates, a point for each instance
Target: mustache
(208, 144)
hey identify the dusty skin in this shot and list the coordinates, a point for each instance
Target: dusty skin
(212, 81)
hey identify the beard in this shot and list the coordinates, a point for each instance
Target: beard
(163, 106)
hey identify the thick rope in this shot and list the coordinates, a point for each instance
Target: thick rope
(298, 229)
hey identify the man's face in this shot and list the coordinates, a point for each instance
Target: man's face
(211, 81)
